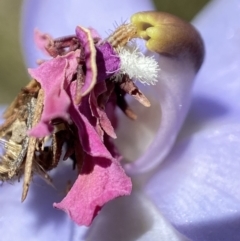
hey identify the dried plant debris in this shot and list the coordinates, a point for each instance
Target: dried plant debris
(70, 103)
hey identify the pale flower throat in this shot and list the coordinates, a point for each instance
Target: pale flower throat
(179, 52)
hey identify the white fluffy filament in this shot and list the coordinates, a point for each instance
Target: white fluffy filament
(137, 65)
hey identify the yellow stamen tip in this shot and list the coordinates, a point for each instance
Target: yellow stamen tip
(169, 35)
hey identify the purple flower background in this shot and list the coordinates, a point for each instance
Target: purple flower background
(194, 194)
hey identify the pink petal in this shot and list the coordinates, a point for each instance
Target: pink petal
(108, 62)
(98, 112)
(86, 40)
(100, 181)
(90, 139)
(42, 40)
(53, 75)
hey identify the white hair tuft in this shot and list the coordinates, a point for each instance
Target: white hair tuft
(137, 65)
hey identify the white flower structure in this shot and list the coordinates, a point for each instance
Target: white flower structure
(138, 66)
(185, 188)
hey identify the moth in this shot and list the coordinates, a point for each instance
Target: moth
(23, 154)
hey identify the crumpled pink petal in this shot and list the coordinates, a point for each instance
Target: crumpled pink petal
(91, 141)
(101, 60)
(97, 111)
(100, 181)
(42, 40)
(54, 75)
(108, 63)
(101, 178)
(86, 40)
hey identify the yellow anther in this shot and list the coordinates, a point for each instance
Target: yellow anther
(169, 35)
